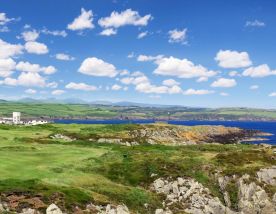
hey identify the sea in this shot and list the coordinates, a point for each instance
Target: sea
(264, 126)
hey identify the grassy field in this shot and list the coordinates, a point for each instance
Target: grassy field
(82, 171)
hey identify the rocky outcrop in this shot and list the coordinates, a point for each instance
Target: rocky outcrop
(62, 137)
(187, 195)
(253, 199)
(115, 141)
(268, 175)
(187, 135)
(108, 209)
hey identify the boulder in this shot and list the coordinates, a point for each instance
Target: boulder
(267, 175)
(28, 211)
(53, 209)
(122, 209)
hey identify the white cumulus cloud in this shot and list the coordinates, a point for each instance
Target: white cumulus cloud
(182, 68)
(64, 57)
(9, 50)
(233, 59)
(108, 32)
(30, 35)
(34, 68)
(170, 82)
(146, 58)
(178, 36)
(224, 83)
(259, 71)
(82, 22)
(36, 47)
(6, 67)
(81, 86)
(127, 17)
(192, 91)
(97, 67)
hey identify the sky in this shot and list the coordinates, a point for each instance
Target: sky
(204, 53)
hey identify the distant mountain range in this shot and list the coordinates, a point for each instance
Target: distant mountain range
(80, 101)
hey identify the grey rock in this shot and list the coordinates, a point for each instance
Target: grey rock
(122, 209)
(267, 175)
(28, 211)
(53, 209)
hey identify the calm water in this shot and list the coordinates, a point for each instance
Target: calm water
(269, 127)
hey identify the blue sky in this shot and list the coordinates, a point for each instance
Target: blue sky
(192, 53)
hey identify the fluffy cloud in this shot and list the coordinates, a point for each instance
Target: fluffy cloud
(97, 67)
(9, 50)
(273, 94)
(30, 91)
(259, 71)
(28, 67)
(61, 33)
(9, 81)
(197, 92)
(149, 88)
(64, 57)
(84, 21)
(127, 17)
(6, 67)
(182, 68)
(36, 48)
(170, 82)
(30, 79)
(178, 36)
(108, 32)
(81, 86)
(224, 83)
(255, 23)
(30, 35)
(254, 87)
(233, 59)
(116, 87)
(145, 58)
(135, 79)
(142, 35)
(143, 84)
(58, 92)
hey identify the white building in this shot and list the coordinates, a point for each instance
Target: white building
(16, 117)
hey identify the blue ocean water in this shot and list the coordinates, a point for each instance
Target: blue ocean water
(269, 127)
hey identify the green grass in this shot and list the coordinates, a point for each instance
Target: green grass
(83, 171)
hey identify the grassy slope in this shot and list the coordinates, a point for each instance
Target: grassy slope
(85, 171)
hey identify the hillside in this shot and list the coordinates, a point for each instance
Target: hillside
(134, 111)
(65, 166)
